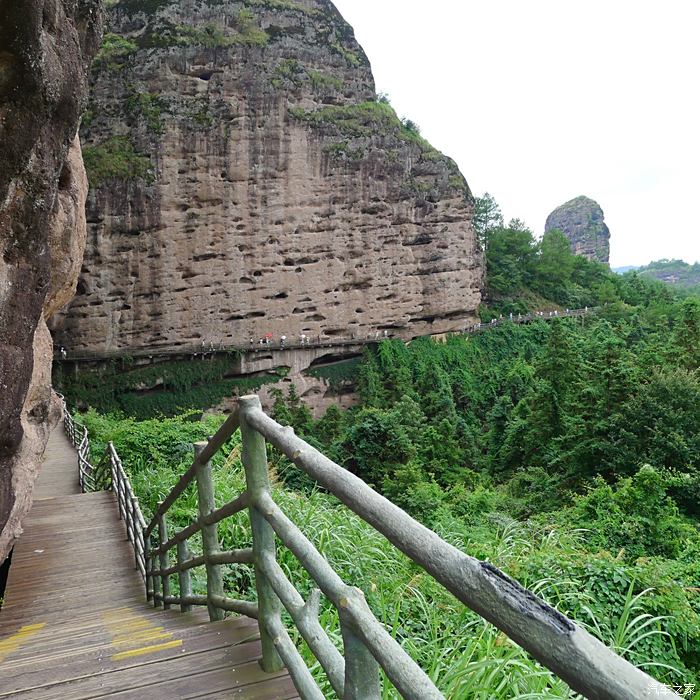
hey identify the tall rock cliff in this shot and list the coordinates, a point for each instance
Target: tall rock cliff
(245, 179)
(582, 221)
(45, 50)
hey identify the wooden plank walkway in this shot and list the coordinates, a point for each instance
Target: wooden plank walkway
(75, 624)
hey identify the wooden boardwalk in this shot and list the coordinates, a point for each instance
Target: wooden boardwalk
(75, 624)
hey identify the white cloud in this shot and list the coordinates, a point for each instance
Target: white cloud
(541, 101)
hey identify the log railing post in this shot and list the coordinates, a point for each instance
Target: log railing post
(183, 554)
(165, 579)
(148, 564)
(210, 537)
(254, 458)
(156, 583)
(362, 681)
(136, 531)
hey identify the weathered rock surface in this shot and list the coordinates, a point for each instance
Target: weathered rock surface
(582, 221)
(245, 180)
(46, 46)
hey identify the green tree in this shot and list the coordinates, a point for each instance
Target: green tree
(487, 215)
(554, 266)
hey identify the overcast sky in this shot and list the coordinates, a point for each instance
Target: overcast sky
(541, 101)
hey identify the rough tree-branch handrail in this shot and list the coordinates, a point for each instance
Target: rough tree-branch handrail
(586, 664)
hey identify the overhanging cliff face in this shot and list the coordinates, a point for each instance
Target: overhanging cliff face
(246, 180)
(45, 49)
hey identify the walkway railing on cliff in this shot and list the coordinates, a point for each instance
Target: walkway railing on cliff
(574, 655)
(109, 474)
(310, 342)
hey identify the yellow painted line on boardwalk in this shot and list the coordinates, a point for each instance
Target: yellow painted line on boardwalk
(127, 627)
(17, 640)
(132, 635)
(146, 650)
(141, 639)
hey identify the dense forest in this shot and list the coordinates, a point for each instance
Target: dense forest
(565, 452)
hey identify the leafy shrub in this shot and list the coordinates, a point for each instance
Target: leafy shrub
(113, 52)
(116, 159)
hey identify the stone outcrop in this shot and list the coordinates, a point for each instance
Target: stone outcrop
(245, 179)
(45, 49)
(581, 220)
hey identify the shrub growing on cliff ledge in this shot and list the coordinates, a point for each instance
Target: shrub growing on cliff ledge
(212, 35)
(114, 50)
(116, 158)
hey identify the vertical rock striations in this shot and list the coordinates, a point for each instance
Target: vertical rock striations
(45, 49)
(246, 179)
(581, 220)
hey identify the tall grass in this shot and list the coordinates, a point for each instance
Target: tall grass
(465, 656)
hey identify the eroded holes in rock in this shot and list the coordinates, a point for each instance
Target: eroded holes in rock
(245, 280)
(65, 177)
(257, 273)
(39, 412)
(315, 317)
(332, 359)
(205, 256)
(205, 75)
(80, 289)
(421, 239)
(359, 311)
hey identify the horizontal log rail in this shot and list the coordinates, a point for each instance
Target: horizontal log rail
(311, 342)
(585, 663)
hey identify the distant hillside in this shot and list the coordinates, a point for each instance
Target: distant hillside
(676, 272)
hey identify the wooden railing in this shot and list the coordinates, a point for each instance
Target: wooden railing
(574, 655)
(109, 474)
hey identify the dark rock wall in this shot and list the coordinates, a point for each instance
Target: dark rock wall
(45, 48)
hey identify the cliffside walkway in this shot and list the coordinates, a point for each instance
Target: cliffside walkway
(75, 623)
(262, 345)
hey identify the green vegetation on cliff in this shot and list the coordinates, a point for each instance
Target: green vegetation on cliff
(116, 159)
(161, 389)
(363, 120)
(113, 52)
(211, 35)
